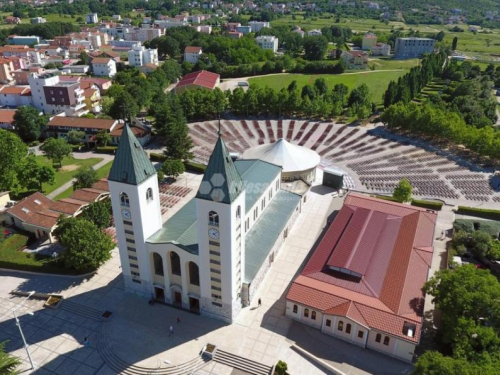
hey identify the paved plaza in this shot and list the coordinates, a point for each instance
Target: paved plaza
(374, 159)
(137, 333)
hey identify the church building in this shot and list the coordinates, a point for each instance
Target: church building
(211, 256)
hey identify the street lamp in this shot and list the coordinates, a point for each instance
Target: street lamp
(18, 324)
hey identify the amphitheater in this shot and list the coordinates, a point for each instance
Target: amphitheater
(373, 159)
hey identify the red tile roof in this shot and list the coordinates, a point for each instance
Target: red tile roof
(16, 90)
(87, 195)
(370, 265)
(68, 206)
(102, 184)
(24, 209)
(101, 60)
(201, 78)
(137, 131)
(191, 49)
(45, 219)
(7, 116)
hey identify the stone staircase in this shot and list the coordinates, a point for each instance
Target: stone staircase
(82, 310)
(241, 363)
(120, 366)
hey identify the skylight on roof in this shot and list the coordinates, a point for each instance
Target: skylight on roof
(25, 210)
(37, 201)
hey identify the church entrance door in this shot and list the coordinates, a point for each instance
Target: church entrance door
(194, 305)
(178, 299)
(159, 294)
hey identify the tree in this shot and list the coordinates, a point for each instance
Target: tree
(86, 246)
(402, 192)
(29, 124)
(8, 363)
(281, 368)
(124, 106)
(321, 86)
(359, 101)
(434, 363)
(75, 136)
(84, 59)
(454, 43)
(440, 36)
(12, 152)
(85, 178)
(32, 174)
(469, 299)
(175, 130)
(103, 137)
(56, 149)
(315, 47)
(173, 168)
(99, 213)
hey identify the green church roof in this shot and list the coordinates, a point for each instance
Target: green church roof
(221, 181)
(131, 165)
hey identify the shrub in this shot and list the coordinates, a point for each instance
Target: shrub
(463, 224)
(106, 149)
(153, 156)
(469, 225)
(431, 205)
(191, 166)
(281, 368)
(34, 143)
(479, 212)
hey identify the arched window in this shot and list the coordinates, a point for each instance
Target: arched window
(295, 309)
(348, 328)
(149, 195)
(386, 340)
(313, 315)
(378, 337)
(158, 262)
(213, 218)
(238, 212)
(175, 263)
(340, 326)
(124, 200)
(194, 274)
(306, 313)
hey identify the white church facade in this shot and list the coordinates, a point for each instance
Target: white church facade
(211, 256)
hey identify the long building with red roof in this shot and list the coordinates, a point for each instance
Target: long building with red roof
(363, 282)
(202, 79)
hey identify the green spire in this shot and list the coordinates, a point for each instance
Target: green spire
(131, 165)
(221, 181)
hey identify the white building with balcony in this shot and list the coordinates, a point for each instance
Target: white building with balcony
(139, 56)
(267, 42)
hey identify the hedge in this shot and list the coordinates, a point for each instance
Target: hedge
(431, 205)
(191, 166)
(479, 212)
(107, 149)
(153, 156)
(469, 225)
(386, 198)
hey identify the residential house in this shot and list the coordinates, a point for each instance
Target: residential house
(231, 26)
(381, 49)
(192, 54)
(314, 32)
(267, 42)
(76, 69)
(355, 59)
(235, 34)
(139, 55)
(257, 26)
(112, 55)
(7, 118)
(369, 40)
(104, 67)
(363, 283)
(12, 20)
(201, 79)
(92, 97)
(244, 29)
(299, 31)
(148, 68)
(31, 55)
(37, 20)
(205, 29)
(15, 96)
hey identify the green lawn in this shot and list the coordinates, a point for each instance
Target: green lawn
(386, 63)
(376, 81)
(101, 173)
(68, 170)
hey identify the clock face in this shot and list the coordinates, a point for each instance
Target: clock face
(126, 214)
(213, 233)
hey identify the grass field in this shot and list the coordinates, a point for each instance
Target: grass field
(101, 173)
(376, 81)
(68, 170)
(480, 44)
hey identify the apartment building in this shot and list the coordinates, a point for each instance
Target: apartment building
(139, 55)
(104, 67)
(408, 48)
(267, 42)
(23, 40)
(256, 26)
(53, 96)
(91, 18)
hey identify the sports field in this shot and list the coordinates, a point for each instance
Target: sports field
(377, 81)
